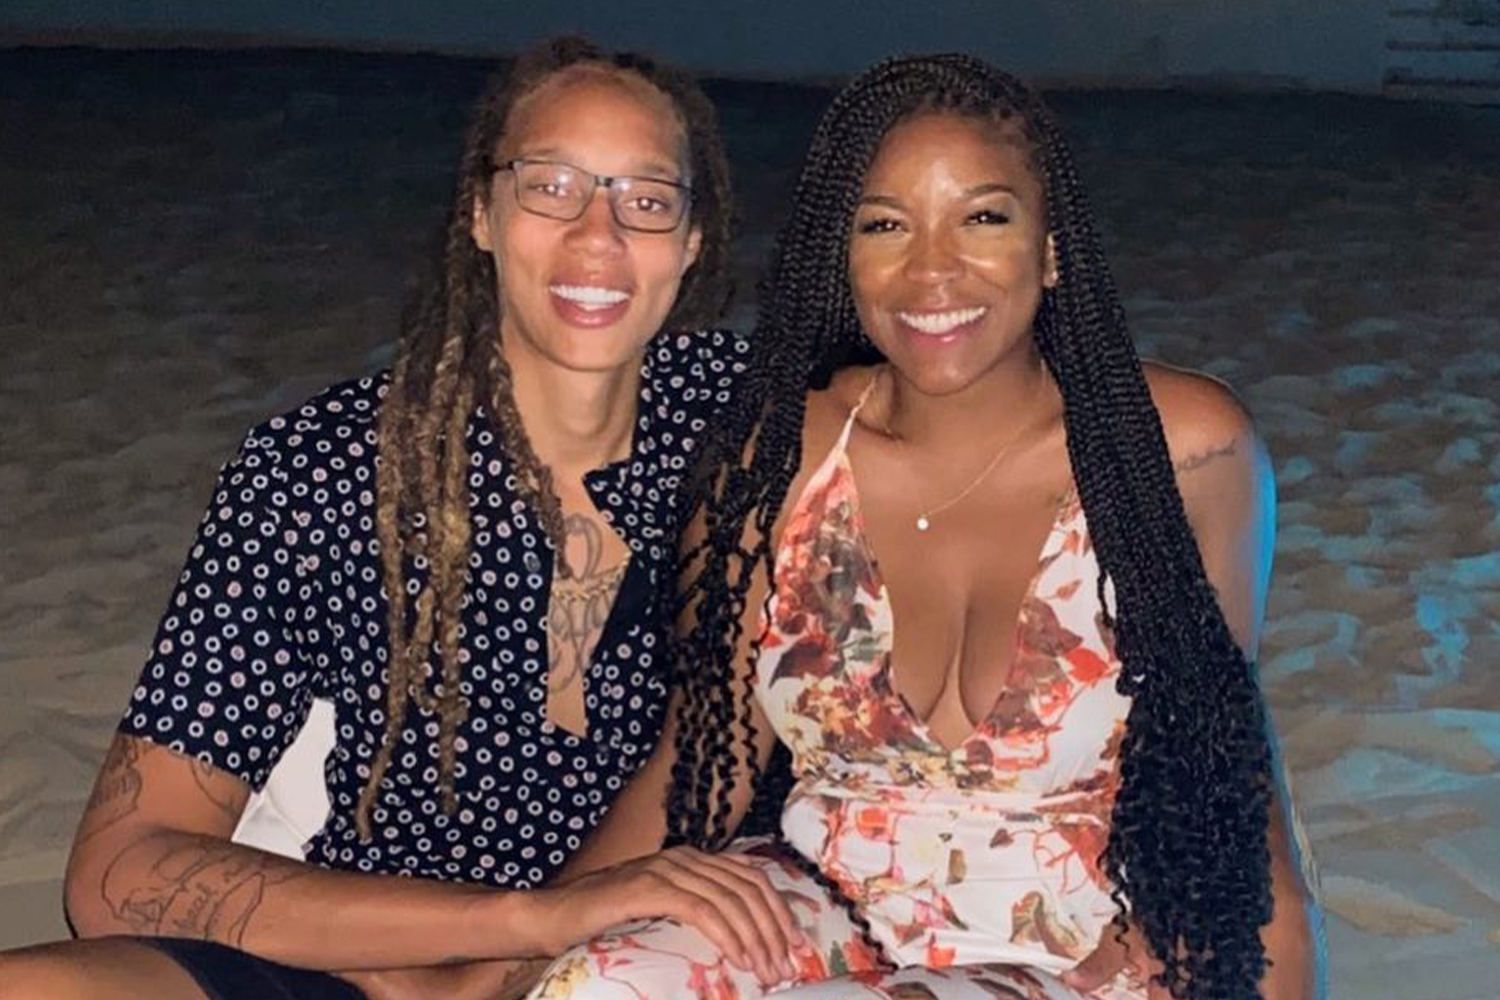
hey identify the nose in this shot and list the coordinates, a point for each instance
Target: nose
(596, 231)
(931, 258)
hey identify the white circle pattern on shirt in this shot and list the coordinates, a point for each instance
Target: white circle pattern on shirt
(280, 601)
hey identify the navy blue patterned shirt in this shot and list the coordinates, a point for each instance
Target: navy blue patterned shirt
(281, 602)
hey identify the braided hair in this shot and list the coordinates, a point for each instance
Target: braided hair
(449, 366)
(1187, 854)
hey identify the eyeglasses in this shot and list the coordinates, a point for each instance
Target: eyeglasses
(563, 191)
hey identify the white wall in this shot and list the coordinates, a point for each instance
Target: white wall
(1335, 44)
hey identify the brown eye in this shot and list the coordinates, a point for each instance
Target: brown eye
(878, 225)
(988, 217)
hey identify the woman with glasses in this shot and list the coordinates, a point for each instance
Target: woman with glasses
(469, 554)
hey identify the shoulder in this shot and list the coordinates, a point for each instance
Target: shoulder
(1218, 456)
(829, 408)
(697, 366)
(322, 441)
(1228, 490)
(1199, 413)
(338, 411)
(823, 419)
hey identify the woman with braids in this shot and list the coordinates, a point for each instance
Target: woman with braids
(994, 584)
(468, 556)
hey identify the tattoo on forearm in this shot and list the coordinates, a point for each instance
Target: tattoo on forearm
(117, 790)
(580, 605)
(1194, 462)
(196, 886)
(218, 787)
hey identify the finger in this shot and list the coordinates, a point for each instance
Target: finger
(1101, 965)
(692, 910)
(785, 918)
(1138, 955)
(660, 888)
(734, 906)
(776, 925)
(730, 904)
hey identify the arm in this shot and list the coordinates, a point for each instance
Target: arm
(636, 824)
(152, 856)
(1228, 488)
(635, 828)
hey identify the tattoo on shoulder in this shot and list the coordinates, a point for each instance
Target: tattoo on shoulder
(1198, 460)
(117, 790)
(196, 886)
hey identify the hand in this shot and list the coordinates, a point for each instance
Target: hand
(1113, 956)
(723, 896)
(498, 980)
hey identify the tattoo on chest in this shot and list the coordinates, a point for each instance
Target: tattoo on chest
(580, 605)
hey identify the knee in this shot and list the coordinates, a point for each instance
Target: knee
(663, 962)
(99, 969)
(43, 973)
(573, 974)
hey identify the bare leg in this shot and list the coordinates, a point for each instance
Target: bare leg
(97, 969)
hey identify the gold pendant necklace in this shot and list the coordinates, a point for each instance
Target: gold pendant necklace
(924, 517)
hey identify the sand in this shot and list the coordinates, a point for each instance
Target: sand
(192, 242)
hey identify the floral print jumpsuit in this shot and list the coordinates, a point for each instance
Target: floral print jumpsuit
(975, 866)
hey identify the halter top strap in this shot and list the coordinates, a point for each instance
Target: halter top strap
(859, 404)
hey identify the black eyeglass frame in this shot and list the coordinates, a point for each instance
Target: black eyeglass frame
(605, 181)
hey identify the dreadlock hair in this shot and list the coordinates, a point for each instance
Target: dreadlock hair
(1187, 853)
(449, 367)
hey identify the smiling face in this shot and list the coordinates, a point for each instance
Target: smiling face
(949, 250)
(586, 294)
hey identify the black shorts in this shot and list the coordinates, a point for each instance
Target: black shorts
(226, 973)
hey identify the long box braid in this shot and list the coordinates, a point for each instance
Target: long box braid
(1187, 853)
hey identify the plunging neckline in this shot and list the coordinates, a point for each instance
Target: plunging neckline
(888, 670)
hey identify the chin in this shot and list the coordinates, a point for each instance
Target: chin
(602, 349)
(596, 357)
(937, 377)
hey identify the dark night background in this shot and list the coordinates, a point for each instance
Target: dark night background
(215, 214)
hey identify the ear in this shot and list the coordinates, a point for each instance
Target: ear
(1049, 264)
(694, 247)
(479, 226)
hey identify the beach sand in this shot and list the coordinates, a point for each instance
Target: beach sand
(191, 242)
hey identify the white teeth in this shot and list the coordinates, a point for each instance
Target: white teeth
(937, 323)
(589, 296)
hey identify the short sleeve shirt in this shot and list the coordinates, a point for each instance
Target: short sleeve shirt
(281, 602)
